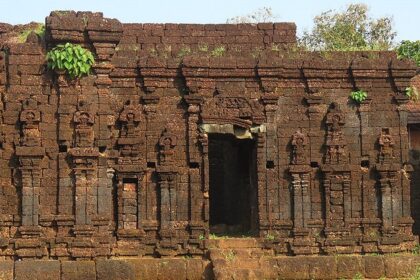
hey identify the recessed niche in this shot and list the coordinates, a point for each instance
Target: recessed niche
(151, 164)
(269, 164)
(130, 181)
(314, 164)
(365, 163)
(62, 148)
(194, 165)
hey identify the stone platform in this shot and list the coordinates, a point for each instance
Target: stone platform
(227, 258)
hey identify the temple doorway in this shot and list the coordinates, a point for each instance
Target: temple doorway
(233, 185)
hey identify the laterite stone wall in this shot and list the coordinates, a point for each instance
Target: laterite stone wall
(116, 164)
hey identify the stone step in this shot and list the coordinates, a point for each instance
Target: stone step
(240, 253)
(232, 263)
(239, 274)
(234, 243)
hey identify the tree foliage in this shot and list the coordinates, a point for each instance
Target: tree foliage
(349, 30)
(410, 50)
(264, 14)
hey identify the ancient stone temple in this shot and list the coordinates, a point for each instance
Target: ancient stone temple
(183, 131)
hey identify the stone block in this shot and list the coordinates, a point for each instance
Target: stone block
(399, 266)
(37, 270)
(349, 266)
(115, 270)
(172, 269)
(324, 267)
(6, 270)
(374, 266)
(74, 270)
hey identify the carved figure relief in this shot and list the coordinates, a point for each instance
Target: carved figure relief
(167, 143)
(299, 141)
(83, 121)
(386, 144)
(129, 141)
(336, 144)
(30, 118)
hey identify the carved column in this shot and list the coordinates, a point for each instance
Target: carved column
(274, 191)
(85, 163)
(301, 175)
(30, 153)
(197, 195)
(402, 100)
(150, 101)
(168, 175)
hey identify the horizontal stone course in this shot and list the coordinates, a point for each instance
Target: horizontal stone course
(302, 267)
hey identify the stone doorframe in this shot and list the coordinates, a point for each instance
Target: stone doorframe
(245, 118)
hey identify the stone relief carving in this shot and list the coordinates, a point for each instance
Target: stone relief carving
(299, 141)
(167, 143)
(129, 141)
(386, 143)
(83, 122)
(336, 143)
(30, 118)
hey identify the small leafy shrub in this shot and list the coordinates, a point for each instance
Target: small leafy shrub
(416, 250)
(73, 59)
(358, 96)
(410, 50)
(184, 51)
(416, 274)
(201, 237)
(358, 276)
(39, 30)
(203, 48)
(218, 51)
(230, 255)
(269, 237)
(412, 93)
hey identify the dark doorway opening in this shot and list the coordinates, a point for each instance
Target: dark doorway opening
(233, 185)
(414, 152)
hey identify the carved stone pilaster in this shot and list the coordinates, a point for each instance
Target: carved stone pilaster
(194, 110)
(30, 153)
(85, 165)
(168, 180)
(303, 242)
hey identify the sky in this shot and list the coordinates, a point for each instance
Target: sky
(404, 12)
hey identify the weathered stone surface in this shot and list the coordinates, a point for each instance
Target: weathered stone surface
(73, 270)
(6, 270)
(37, 270)
(399, 266)
(115, 270)
(374, 266)
(123, 163)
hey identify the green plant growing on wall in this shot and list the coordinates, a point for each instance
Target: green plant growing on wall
(203, 48)
(39, 30)
(218, 51)
(75, 60)
(412, 93)
(358, 96)
(269, 237)
(184, 51)
(410, 50)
